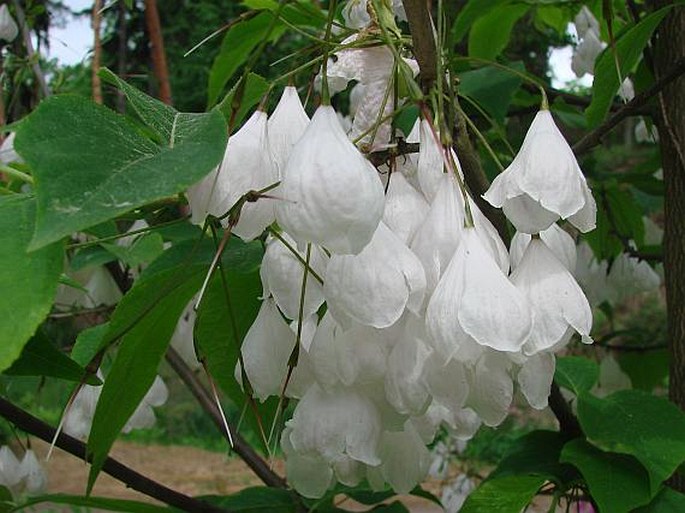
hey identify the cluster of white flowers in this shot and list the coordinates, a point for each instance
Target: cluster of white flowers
(424, 324)
(21, 477)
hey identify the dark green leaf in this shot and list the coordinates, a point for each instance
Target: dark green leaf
(490, 34)
(508, 494)
(666, 501)
(90, 256)
(258, 499)
(144, 249)
(91, 165)
(629, 48)
(473, 10)
(492, 88)
(646, 370)
(255, 88)
(633, 422)
(29, 281)
(576, 373)
(536, 453)
(618, 483)
(624, 214)
(41, 358)
(239, 42)
(88, 344)
(98, 503)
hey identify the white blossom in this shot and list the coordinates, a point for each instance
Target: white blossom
(591, 275)
(286, 125)
(474, 302)
(586, 22)
(558, 303)
(430, 163)
(405, 208)
(332, 195)
(628, 276)
(586, 53)
(558, 240)
(182, 338)
(10, 474)
(144, 416)
(535, 379)
(34, 476)
(405, 458)
(8, 154)
(491, 388)
(247, 166)
(8, 27)
(374, 287)
(455, 494)
(544, 182)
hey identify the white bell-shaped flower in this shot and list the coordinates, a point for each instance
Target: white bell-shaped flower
(430, 164)
(558, 240)
(629, 276)
(490, 238)
(10, 474)
(374, 287)
(334, 424)
(454, 495)
(332, 195)
(474, 300)
(611, 378)
(544, 182)
(447, 382)
(79, 417)
(8, 27)
(405, 458)
(405, 386)
(144, 416)
(310, 474)
(356, 356)
(557, 301)
(405, 208)
(586, 22)
(492, 389)
(33, 474)
(286, 125)
(247, 166)
(266, 350)
(642, 133)
(438, 236)
(585, 54)
(535, 379)
(8, 154)
(282, 274)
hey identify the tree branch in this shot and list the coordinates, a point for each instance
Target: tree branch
(132, 479)
(568, 423)
(241, 447)
(631, 108)
(421, 28)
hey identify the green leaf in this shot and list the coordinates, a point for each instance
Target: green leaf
(143, 250)
(536, 453)
(239, 42)
(492, 88)
(92, 165)
(666, 501)
(473, 10)
(88, 344)
(29, 282)
(639, 424)
(618, 483)
(90, 256)
(490, 34)
(257, 499)
(629, 47)
(255, 89)
(508, 494)
(624, 213)
(576, 373)
(145, 320)
(98, 503)
(646, 369)
(41, 358)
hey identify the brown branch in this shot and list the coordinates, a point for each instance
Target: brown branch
(568, 423)
(97, 52)
(132, 479)
(159, 63)
(31, 55)
(241, 447)
(421, 28)
(631, 108)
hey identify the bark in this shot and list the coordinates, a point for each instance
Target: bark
(122, 41)
(669, 47)
(97, 52)
(159, 64)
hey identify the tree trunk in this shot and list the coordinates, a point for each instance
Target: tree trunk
(669, 47)
(122, 41)
(154, 30)
(97, 51)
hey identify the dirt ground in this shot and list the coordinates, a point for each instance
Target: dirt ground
(186, 469)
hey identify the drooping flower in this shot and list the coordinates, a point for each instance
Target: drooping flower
(558, 303)
(405, 458)
(586, 22)
(491, 387)
(475, 302)
(535, 379)
(8, 27)
(374, 287)
(430, 164)
(286, 125)
(33, 474)
(629, 275)
(405, 208)
(266, 350)
(182, 338)
(332, 195)
(282, 274)
(247, 166)
(591, 274)
(144, 415)
(585, 54)
(10, 475)
(8, 154)
(447, 382)
(558, 240)
(437, 238)
(544, 182)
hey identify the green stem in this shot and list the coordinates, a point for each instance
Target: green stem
(16, 174)
(482, 138)
(295, 253)
(325, 93)
(126, 234)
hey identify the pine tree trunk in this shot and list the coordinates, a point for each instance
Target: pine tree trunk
(669, 48)
(157, 49)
